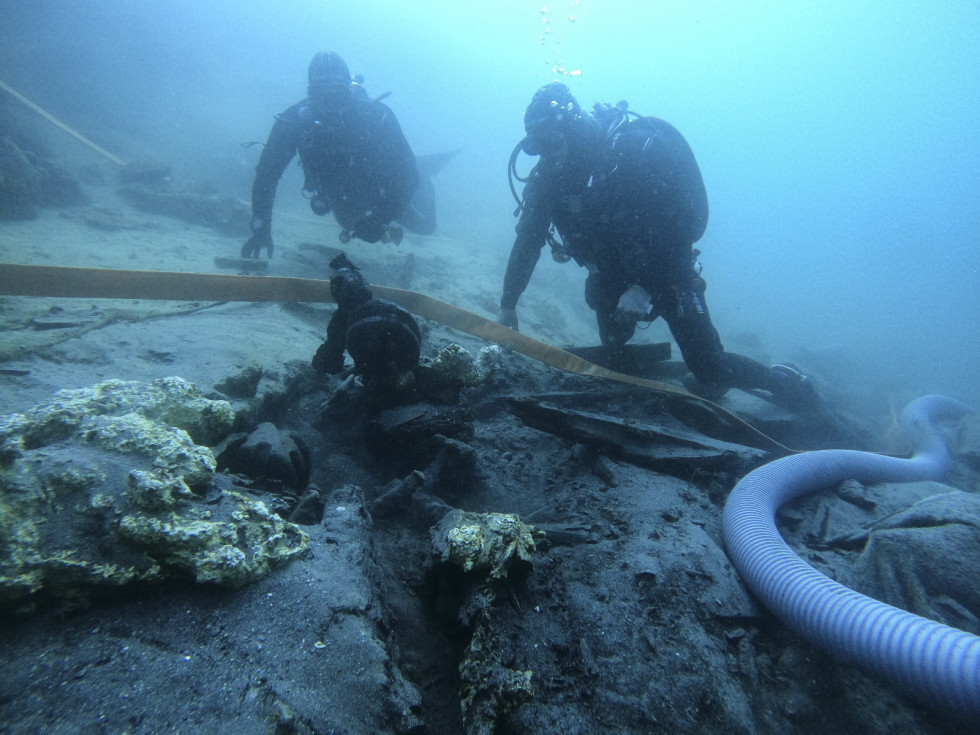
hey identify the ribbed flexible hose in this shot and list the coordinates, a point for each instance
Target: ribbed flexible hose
(937, 664)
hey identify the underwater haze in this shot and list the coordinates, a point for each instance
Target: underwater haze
(839, 141)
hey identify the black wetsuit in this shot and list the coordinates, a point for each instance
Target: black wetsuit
(356, 160)
(381, 336)
(629, 205)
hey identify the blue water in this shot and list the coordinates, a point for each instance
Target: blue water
(839, 140)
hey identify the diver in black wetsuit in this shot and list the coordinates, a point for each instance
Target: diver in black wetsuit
(355, 158)
(622, 195)
(382, 338)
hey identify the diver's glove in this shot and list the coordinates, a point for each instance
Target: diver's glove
(261, 238)
(633, 305)
(508, 317)
(369, 229)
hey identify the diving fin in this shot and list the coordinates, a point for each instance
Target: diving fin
(432, 163)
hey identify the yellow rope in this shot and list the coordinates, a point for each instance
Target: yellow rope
(58, 124)
(61, 281)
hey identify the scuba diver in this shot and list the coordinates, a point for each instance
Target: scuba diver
(356, 161)
(622, 195)
(382, 338)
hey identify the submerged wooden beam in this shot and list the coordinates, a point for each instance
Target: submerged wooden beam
(670, 450)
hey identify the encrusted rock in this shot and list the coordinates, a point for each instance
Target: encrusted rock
(232, 549)
(105, 485)
(489, 688)
(483, 543)
(454, 362)
(171, 401)
(486, 547)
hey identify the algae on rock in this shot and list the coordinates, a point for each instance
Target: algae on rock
(105, 485)
(483, 543)
(454, 362)
(485, 547)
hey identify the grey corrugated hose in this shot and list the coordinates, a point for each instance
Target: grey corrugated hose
(935, 663)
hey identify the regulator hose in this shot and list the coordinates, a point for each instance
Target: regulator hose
(512, 175)
(935, 663)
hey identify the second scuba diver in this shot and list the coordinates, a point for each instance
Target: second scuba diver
(356, 161)
(622, 195)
